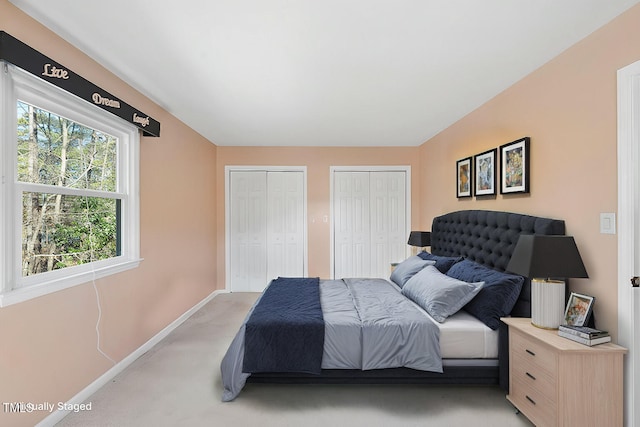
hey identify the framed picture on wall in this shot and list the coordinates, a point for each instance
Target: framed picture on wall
(463, 177)
(484, 165)
(514, 166)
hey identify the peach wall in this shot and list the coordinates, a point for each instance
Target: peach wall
(318, 160)
(48, 351)
(568, 108)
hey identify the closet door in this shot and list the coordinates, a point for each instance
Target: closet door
(351, 224)
(388, 220)
(266, 227)
(285, 224)
(248, 230)
(370, 222)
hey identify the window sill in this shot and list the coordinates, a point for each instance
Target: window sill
(34, 291)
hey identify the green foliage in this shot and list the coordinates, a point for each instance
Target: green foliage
(87, 233)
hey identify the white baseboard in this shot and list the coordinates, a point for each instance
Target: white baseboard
(83, 395)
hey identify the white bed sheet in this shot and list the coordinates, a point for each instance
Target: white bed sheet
(462, 336)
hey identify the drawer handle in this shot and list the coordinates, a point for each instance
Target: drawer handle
(530, 399)
(530, 352)
(530, 376)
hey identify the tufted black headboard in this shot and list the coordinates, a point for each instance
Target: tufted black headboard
(488, 238)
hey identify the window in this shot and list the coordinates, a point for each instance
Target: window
(69, 195)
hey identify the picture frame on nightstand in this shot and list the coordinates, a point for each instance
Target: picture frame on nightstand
(579, 309)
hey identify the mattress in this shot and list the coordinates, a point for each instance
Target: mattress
(462, 336)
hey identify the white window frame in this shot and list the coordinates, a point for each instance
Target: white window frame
(18, 84)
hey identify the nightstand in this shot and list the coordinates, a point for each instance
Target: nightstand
(394, 265)
(554, 381)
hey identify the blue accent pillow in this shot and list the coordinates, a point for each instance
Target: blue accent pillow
(498, 295)
(438, 294)
(443, 263)
(407, 268)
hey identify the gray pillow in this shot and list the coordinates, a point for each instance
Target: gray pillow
(438, 294)
(407, 268)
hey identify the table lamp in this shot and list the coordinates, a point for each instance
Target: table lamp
(545, 260)
(420, 239)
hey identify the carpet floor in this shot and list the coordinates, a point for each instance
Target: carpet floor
(177, 383)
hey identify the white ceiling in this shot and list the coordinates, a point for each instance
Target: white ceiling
(322, 72)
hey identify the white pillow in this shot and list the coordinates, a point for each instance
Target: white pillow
(438, 294)
(407, 268)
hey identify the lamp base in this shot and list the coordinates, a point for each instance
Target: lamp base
(415, 250)
(547, 303)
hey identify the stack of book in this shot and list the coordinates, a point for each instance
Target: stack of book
(584, 334)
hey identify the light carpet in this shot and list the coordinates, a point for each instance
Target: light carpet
(177, 383)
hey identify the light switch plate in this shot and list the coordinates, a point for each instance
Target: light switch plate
(608, 223)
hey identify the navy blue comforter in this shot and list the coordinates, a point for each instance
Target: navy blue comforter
(285, 332)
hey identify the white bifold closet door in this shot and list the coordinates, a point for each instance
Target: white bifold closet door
(266, 220)
(370, 222)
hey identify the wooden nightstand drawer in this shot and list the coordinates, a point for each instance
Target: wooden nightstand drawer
(533, 352)
(537, 406)
(534, 377)
(554, 381)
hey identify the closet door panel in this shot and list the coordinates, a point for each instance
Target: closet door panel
(397, 216)
(285, 235)
(388, 224)
(248, 230)
(351, 224)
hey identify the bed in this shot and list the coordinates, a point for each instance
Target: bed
(467, 344)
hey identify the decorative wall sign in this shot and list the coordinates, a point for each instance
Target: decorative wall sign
(21, 55)
(514, 166)
(463, 177)
(484, 165)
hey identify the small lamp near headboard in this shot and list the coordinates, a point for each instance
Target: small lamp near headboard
(541, 258)
(419, 239)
